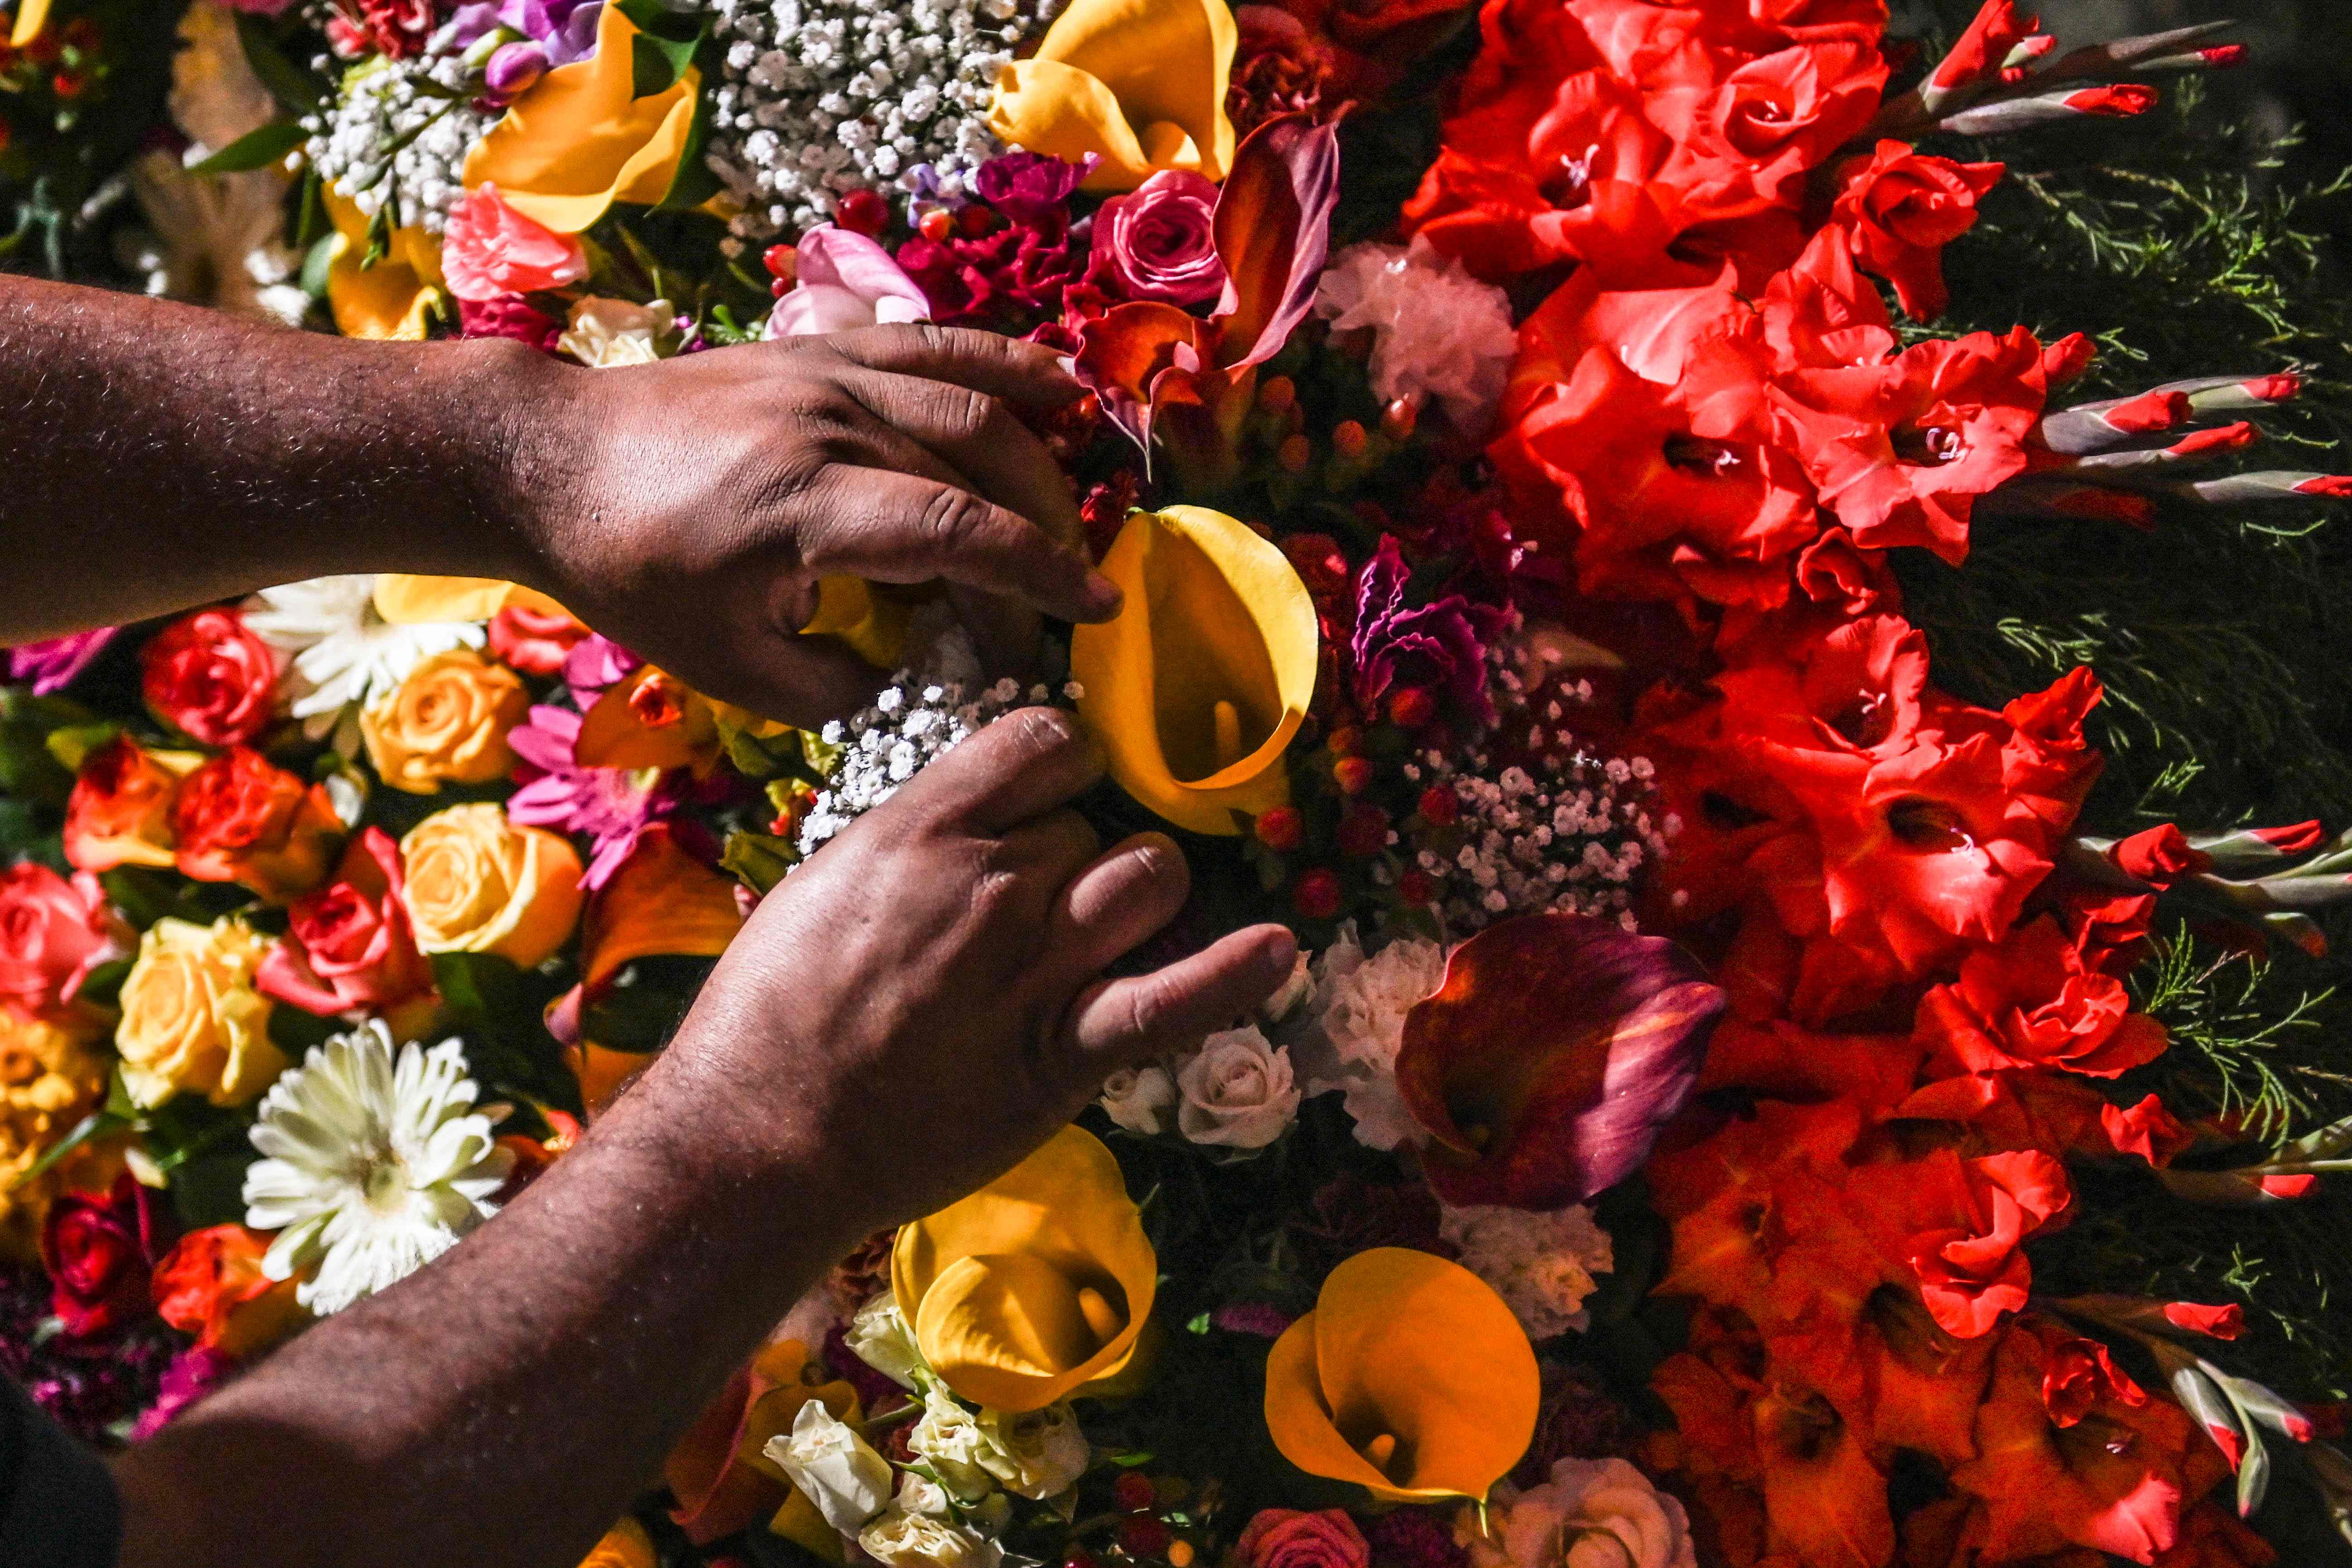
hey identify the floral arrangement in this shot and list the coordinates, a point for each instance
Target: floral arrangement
(1519, 432)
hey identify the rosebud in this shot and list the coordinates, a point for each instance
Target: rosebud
(1352, 774)
(1345, 741)
(1439, 806)
(862, 211)
(1143, 1537)
(936, 224)
(1133, 1491)
(1363, 830)
(1398, 419)
(1348, 438)
(1412, 708)
(1294, 454)
(782, 262)
(1281, 829)
(1316, 894)
(1278, 394)
(1319, 561)
(514, 70)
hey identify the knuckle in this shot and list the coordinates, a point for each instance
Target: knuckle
(951, 518)
(1042, 732)
(963, 415)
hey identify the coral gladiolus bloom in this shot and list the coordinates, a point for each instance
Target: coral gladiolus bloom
(404, 600)
(395, 297)
(580, 141)
(1410, 1377)
(1036, 1285)
(1198, 686)
(1138, 84)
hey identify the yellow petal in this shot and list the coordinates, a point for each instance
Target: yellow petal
(408, 601)
(661, 903)
(1140, 83)
(578, 142)
(800, 1522)
(393, 299)
(1035, 1286)
(32, 15)
(1410, 1378)
(873, 625)
(649, 719)
(1197, 687)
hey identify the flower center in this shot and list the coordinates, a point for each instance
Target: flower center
(386, 1186)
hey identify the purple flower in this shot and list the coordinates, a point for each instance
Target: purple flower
(613, 806)
(1160, 241)
(193, 1373)
(52, 666)
(1263, 1319)
(594, 663)
(1025, 186)
(1441, 645)
(565, 30)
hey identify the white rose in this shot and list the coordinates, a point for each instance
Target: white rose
(879, 1337)
(915, 1537)
(1236, 1090)
(1039, 1453)
(1293, 993)
(1352, 1050)
(1592, 1513)
(1541, 1264)
(950, 1439)
(1138, 1099)
(607, 332)
(832, 1466)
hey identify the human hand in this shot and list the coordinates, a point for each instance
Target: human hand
(921, 1004)
(688, 508)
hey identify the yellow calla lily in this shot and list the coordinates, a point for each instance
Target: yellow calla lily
(579, 141)
(32, 15)
(873, 625)
(1036, 1285)
(1410, 1377)
(395, 299)
(411, 601)
(1138, 83)
(1198, 686)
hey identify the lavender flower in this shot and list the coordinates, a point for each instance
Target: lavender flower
(53, 664)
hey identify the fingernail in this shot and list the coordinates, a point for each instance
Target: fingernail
(1279, 954)
(1069, 363)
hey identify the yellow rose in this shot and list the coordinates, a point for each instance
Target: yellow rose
(478, 883)
(402, 599)
(51, 1078)
(581, 139)
(191, 1017)
(1410, 1377)
(1037, 1284)
(1138, 83)
(447, 724)
(1197, 687)
(395, 299)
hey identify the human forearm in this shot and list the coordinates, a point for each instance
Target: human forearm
(158, 456)
(503, 1404)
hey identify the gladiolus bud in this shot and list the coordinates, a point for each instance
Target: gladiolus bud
(1281, 829)
(1440, 806)
(2068, 359)
(1353, 774)
(1316, 894)
(1412, 708)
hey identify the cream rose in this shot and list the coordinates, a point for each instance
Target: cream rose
(1139, 1099)
(1236, 1090)
(191, 1018)
(447, 724)
(834, 1467)
(478, 883)
(1035, 1453)
(1592, 1513)
(949, 1437)
(914, 1533)
(879, 1337)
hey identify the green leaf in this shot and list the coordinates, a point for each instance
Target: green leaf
(97, 1124)
(71, 743)
(255, 149)
(300, 91)
(501, 1010)
(320, 256)
(644, 1002)
(103, 983)
(758, 860)
(664, 47)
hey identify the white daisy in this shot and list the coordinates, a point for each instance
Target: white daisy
(372, 1168)
(342, 651)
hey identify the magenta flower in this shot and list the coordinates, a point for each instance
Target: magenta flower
(1440, 646)
(192, 1373)
(52, 666)
(611, 806)
(846, 281)
(1160, 241)
(1025, 186)
(595, 662)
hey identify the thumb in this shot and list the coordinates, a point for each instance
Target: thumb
(1119, 1023)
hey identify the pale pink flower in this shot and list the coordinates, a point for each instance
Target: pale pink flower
(846, 281)
(489, 250)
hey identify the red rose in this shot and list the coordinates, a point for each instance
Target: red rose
(207, 676)
(239, 819)
(350, 944)
(1898, 210)
(97, 1252)
(534, 641)
(53, 932)
(2032, 1003)
(1287, 1538)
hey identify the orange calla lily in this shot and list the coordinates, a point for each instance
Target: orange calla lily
(1410, 1378)
(1139, 84)
(722, 1479)
(873, 625)
(649, 719)
(32, 15)
(393, 299)
(1196, 688)
(581, 139)
(1036, 1285)
(409, 600)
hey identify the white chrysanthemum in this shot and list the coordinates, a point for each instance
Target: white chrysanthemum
(343, 652)
(1360, 1003)
(1541, 1264)
(372, 1166)
(1437, 333)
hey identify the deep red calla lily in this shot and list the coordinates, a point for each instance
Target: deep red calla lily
(1544, 1066)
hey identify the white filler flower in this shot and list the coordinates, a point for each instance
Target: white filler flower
(342, 651)
(372, 1166)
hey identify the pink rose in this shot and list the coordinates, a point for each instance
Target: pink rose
(1160, 241)
(350, 944)
(490, 249)
(1286, 1537)
(53, 932)
(846, 281)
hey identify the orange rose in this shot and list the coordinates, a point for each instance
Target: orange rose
(237, 819)
(120, 810)
(211, 1285)
(446, 724)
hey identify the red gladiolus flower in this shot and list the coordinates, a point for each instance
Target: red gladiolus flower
(207, 676)
(2032, 1003)
(2223, 1323)
(1545, 1065)
(97, 1252)
(1990, 40)
(1899, 209)
(1970, 1257)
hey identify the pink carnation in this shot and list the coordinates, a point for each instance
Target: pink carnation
(490, 249)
